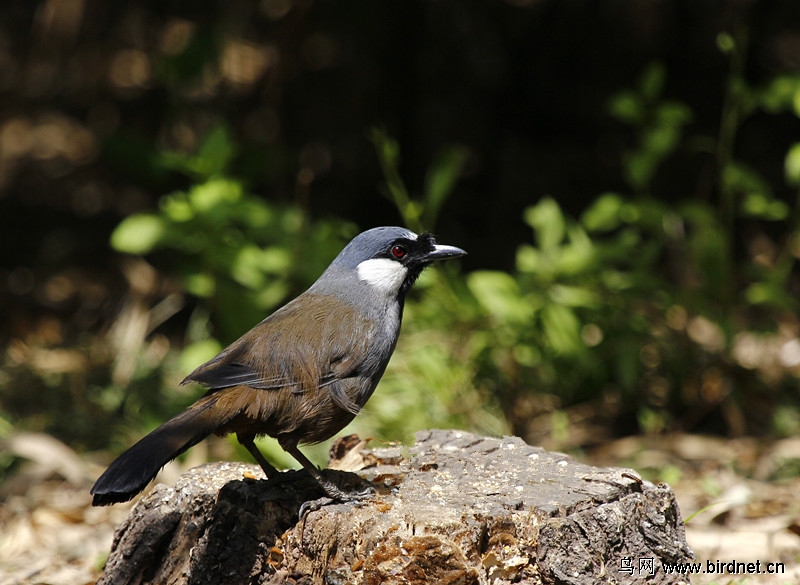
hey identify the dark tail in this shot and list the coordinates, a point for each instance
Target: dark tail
(136, 467)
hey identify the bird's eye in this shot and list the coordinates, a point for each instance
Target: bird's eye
(398, 251)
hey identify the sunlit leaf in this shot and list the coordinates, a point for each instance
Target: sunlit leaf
(603, 214)
(529, 259)
(547, 222)
(176, 207)
(199, 284)
(500, 295)
(246, 268)
(272, 293)
(211, 194)
(254, 212)
(526, 355)
(792, 165)
(763, 207)
(562, 328)
(573, 296)
(577, 255)
(781, 94)
(198, 353)
(138, 234)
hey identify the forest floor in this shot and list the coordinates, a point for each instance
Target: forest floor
(727, 490)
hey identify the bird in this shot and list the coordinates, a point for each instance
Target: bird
(303, 373)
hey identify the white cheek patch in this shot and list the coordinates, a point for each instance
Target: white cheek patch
(382, 273)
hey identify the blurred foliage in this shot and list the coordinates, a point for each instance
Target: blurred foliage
(418, 214)
(655, 289)
(241, 253)
(238, 254)
(431, 380)
(644, 301)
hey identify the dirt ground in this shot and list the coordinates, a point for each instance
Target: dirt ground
(737, 509)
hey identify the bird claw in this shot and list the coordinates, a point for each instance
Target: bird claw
(336, 496)
(313, 506)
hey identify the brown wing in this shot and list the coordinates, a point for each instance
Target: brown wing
(303, 346)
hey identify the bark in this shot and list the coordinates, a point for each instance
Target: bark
(456, 508)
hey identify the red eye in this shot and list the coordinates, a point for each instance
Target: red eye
(398, 252)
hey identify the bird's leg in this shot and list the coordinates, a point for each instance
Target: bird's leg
(335, 494)
(247, 441)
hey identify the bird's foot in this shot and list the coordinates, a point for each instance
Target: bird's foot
(335, 495)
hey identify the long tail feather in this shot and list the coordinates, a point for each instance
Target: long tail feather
(130, 473)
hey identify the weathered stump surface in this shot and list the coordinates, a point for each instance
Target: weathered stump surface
(462, 509)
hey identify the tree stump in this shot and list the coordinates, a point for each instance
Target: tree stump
(462, 509)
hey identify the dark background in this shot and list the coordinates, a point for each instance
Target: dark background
(523, 84)
(92, 91)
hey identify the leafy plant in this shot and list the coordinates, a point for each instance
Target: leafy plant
(641, 301)
(418, 214)
(239, 252)
(431, 380)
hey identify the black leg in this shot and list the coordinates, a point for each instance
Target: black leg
(247, 441)
(331, 489)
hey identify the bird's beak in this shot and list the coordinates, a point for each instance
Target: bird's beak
(442, 252)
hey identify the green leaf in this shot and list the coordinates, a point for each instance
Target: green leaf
(198, 353)
(547, 222)
(726, 43)
(760, 206)
(442, 176)
(780, 94)
(617, 280)
(500, 295)
(526, 355)
(246, 267)
(770, 293)
(387, 148)
(255, 213)
(212, 194)
(673, 114)
(252, 265)
(577, 255)
(627, 107)
(272, 294)
(213, 156)
(603, 214)
(215, 153)
(792, 165)
(562, 328)
(573, 296)
(529, 259)
(138, 234)
(177, 208)
(640, 166)
(200, 284)
(651, 83)
(740, 178)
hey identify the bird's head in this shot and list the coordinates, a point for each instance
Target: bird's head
(388, 260)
